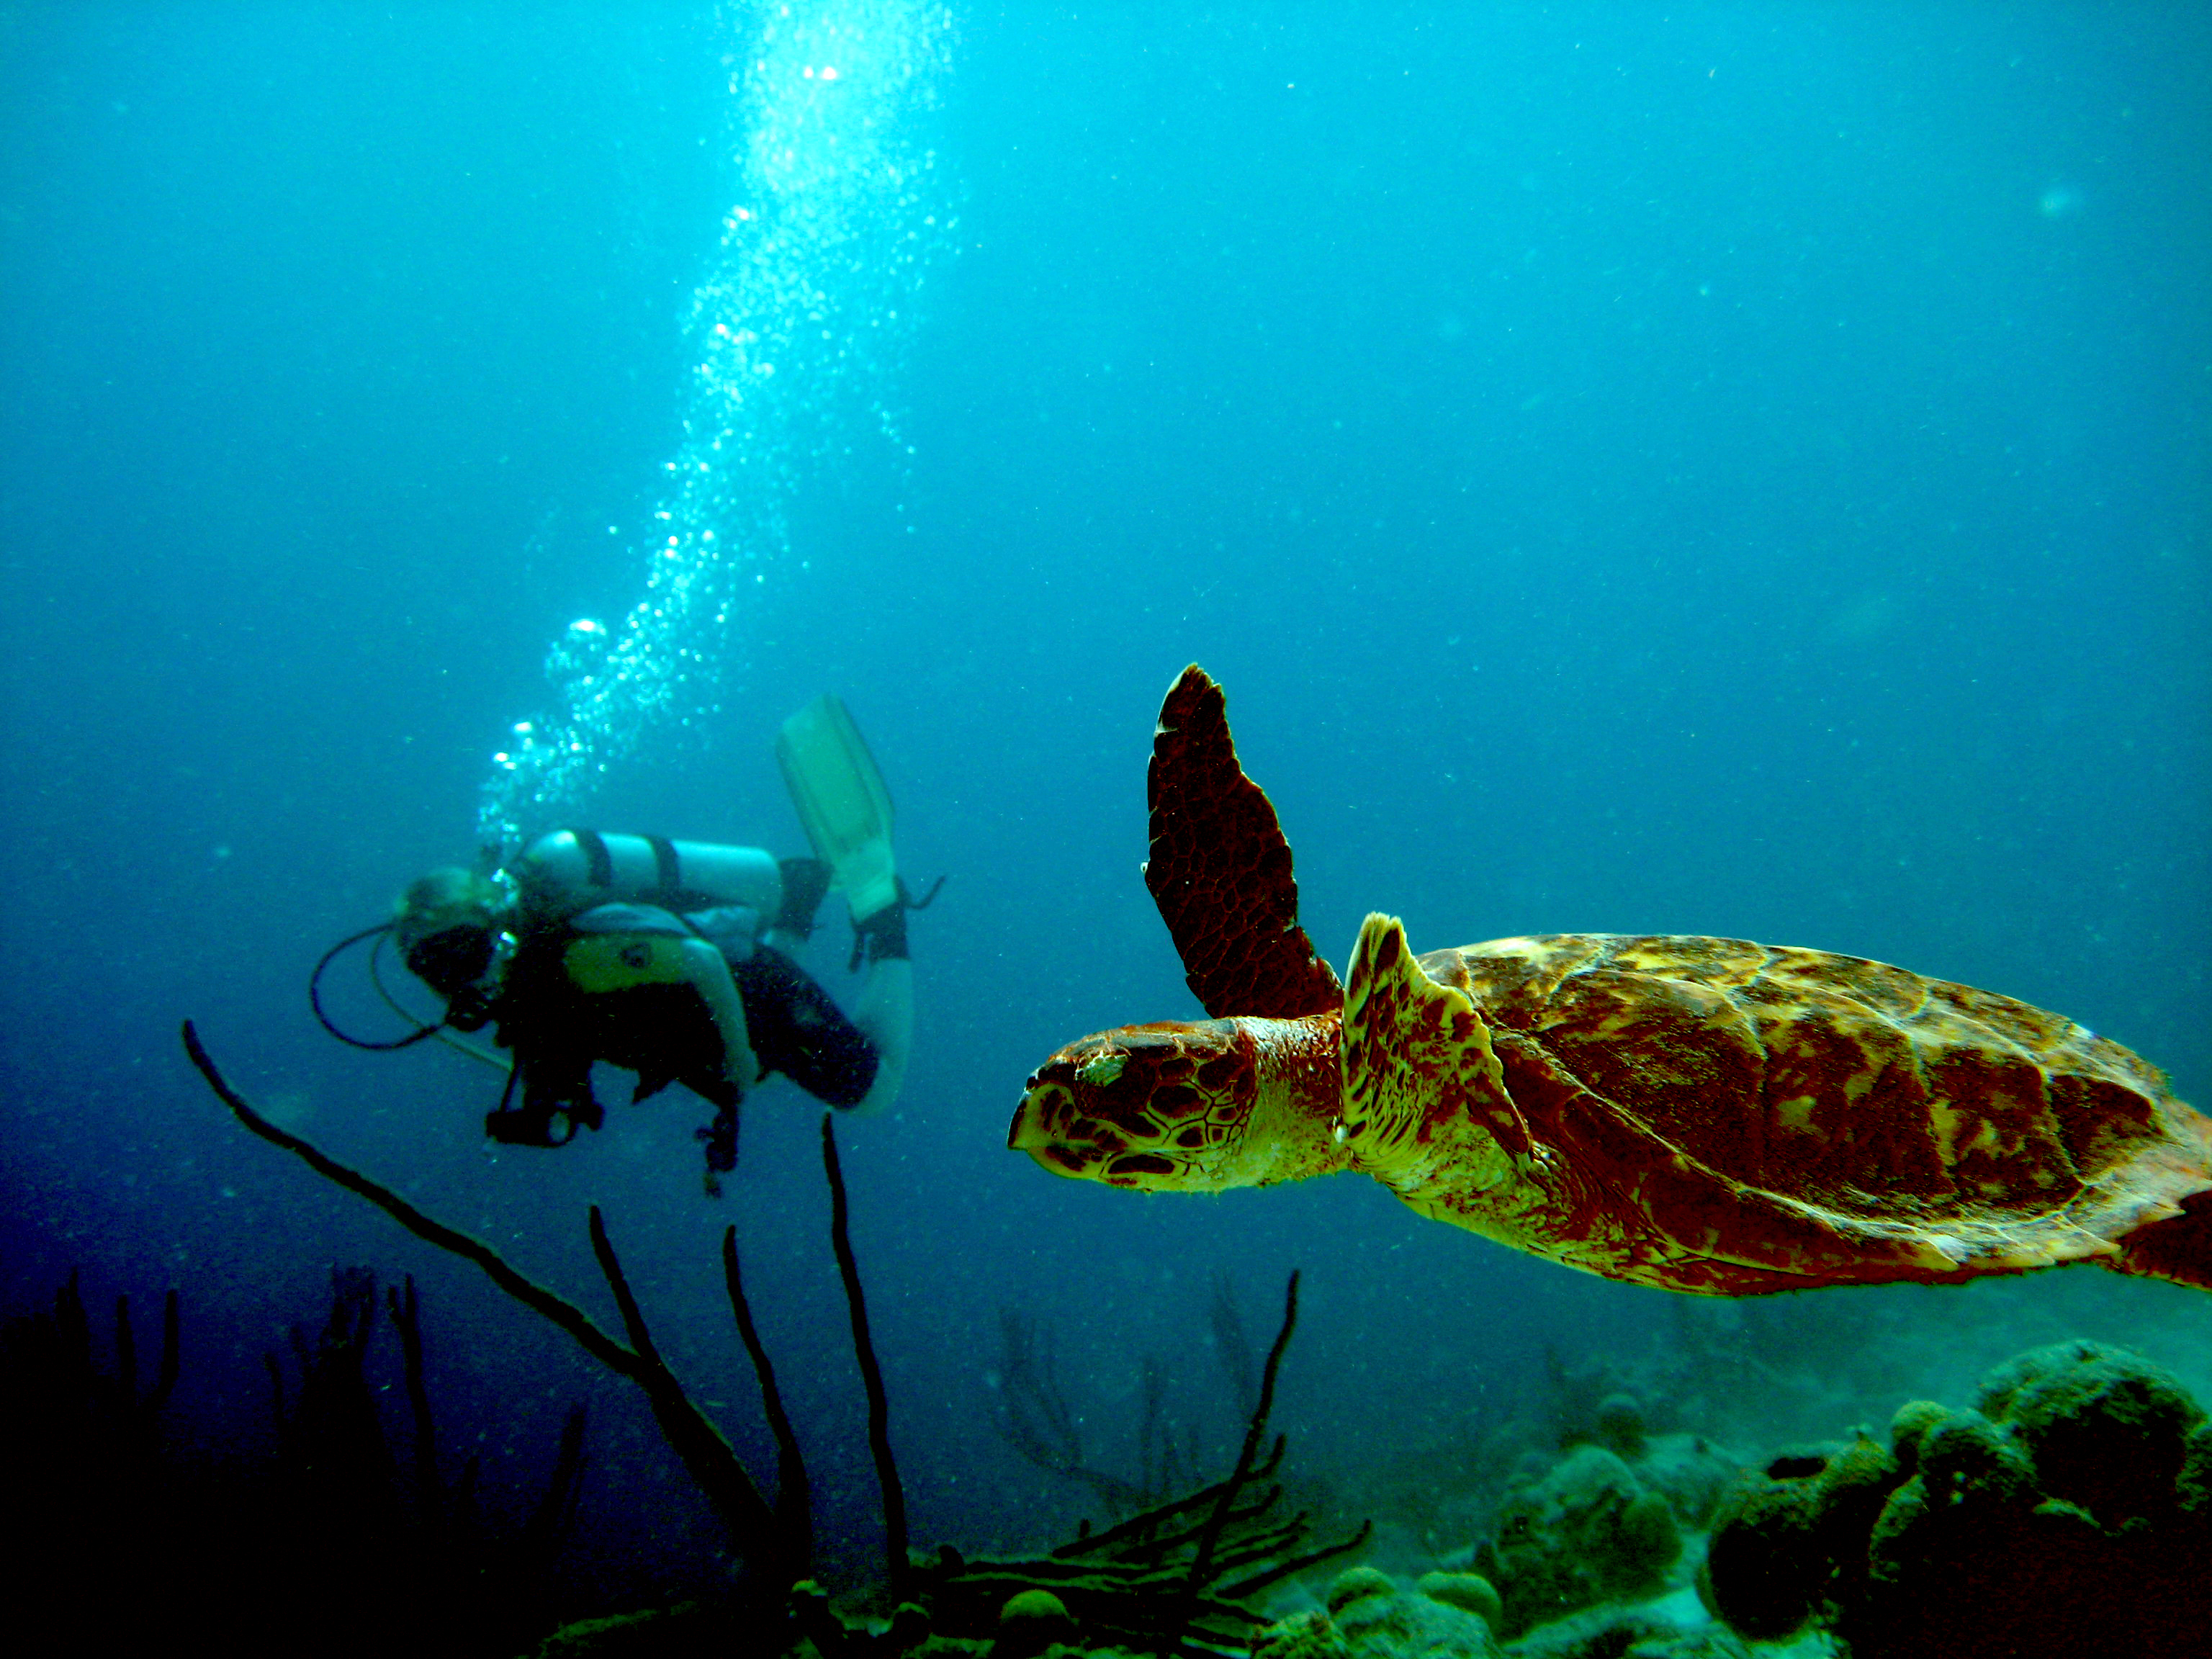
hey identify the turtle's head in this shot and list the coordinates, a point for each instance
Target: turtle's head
(1170, 1107)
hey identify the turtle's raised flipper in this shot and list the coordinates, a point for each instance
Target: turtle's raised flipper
(1220, 870)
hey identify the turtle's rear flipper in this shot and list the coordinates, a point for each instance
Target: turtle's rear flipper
(2178, 1247)
(1220, 870)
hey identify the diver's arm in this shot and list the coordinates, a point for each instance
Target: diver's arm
(709, 974)
(885, 1017)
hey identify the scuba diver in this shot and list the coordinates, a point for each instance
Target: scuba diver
(672, 959)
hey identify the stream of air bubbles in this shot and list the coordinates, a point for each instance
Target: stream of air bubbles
(807, 299)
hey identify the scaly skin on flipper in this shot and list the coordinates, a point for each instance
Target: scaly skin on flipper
(1220, 870)
(1426, 1108)
(1699, 1115)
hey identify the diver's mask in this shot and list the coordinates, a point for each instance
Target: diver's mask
(451, 932)
(466, 964)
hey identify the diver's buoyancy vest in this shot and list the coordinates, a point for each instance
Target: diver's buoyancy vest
(571, 870)
(620, 947)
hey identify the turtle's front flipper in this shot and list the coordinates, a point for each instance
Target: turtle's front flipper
(1220, 870)
(1422, 1087)
(1425, 1109)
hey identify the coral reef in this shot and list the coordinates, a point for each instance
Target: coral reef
(1030, 1623)
(1368, 1616)
(1635, 1633)
(1156, 1581)
(1449, 1483)
(1470, 1592)
(2068, 1512)
(1609, 1521)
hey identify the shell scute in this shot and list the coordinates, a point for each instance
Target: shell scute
(1219, 1072)
(1788, 972)
(2097, 1119)
(1723, 960)
(1839, 1083)
(1988, 1112)
(1950, 1006)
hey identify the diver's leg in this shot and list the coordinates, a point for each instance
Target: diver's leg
(885, 1017)
(799, 1031)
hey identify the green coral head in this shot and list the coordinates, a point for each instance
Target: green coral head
(1470, 1592)
(1032, 1605)
(1357, 1584)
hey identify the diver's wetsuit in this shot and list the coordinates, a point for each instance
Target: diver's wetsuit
(587, 987)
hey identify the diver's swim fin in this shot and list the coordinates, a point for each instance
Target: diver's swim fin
(841, 799)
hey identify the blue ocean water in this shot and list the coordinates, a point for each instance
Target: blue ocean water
(1740, 471)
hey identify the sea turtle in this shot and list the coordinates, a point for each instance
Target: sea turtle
(1702, 1114)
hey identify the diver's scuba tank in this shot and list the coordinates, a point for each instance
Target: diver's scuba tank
(573, 869)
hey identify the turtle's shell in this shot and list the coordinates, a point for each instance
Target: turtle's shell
(1734, 1117)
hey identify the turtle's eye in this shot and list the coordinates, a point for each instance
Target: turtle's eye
(1139, 1163)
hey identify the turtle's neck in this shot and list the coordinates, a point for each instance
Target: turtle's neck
(1291, 1132)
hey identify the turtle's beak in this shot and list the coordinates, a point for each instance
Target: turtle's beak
(1029, 1133)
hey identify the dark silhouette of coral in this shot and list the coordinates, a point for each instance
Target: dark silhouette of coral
(1180, 1573)
(1034, 1417)
(333, 1541)
(794, 1500)
(722, 1479)
(87, 1480)
(1157, 1580)
(871, 1375)
(1232, 1348)
(447, 1576)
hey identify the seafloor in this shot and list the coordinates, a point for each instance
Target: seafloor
(1755, 1483)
